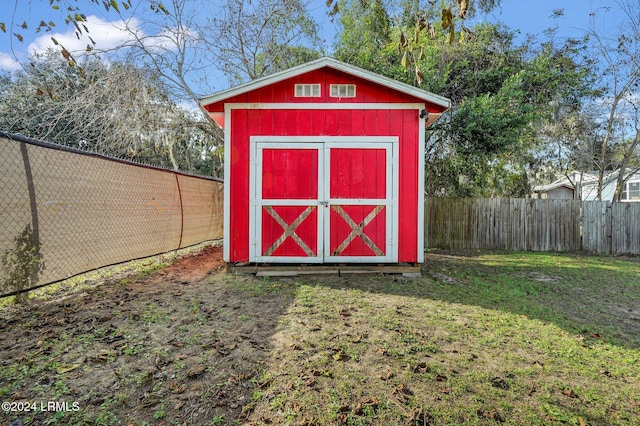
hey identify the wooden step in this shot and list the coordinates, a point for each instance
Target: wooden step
(343, 270)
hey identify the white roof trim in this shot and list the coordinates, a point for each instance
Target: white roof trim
(331, 63)
(549, 187)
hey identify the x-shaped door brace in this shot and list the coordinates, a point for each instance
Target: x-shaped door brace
(289, 231)
(357, 230)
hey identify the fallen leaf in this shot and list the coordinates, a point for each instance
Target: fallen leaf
(386, 376)
(419, 417)
(609, 374)
(340, 356)
(195, 371)
(532, 390)
(401, 388)
(444, 389)
(264, 384)
(65, 368)
(421, 367)
(403, 392)
(490, 414)
(368, 402)
(360, 337)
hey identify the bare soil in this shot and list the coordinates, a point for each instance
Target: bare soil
(180, 346)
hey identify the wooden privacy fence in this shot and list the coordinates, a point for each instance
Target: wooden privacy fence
(611, 227)
(64, 212)
(532, 225)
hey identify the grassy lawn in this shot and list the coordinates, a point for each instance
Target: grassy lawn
(480, 339)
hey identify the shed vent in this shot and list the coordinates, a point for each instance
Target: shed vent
(343, 91)
(307, 90)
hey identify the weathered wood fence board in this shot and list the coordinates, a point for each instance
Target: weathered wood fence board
(596, 226)
(532, 225)
(625, 228)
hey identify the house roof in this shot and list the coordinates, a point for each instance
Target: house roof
(331, 63)
(555, 185)
(586, 179)
(578, 177)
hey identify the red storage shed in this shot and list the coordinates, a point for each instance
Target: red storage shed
(324, 163)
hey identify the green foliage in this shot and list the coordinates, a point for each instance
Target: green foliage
(501, 92)
(366, 30)
(491, 124)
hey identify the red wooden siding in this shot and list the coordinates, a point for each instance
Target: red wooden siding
(290, 174)
(340, 230)
(306, 230)
(329, 122)
(358, 173)
(283, 92)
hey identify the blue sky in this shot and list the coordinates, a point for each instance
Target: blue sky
(530, 17)
(534, 16)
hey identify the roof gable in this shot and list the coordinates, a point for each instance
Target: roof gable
(331, 63)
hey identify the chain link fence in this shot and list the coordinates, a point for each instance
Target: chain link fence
(64, 212)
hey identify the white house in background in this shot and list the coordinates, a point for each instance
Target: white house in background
(586, 184)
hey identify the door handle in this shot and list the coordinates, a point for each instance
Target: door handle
(323, 203)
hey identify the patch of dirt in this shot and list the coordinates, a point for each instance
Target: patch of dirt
(181, 346)
(543, 278)
(631, 312)
(438, 276)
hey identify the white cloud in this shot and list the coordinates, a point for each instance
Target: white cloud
(8, 63)
(165, 40)
(107, 35)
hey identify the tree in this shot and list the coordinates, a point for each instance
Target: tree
(500, 92)
(619, 55)
(597, 129)
(116, 109)
(186, 42)
(418, 15)
(251, 39)
(366, 31)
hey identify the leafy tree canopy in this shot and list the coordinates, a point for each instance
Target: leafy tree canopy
(500, 91)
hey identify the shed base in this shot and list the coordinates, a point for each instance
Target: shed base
(409, 270)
